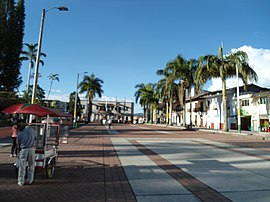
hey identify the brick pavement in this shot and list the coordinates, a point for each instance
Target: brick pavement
(89, 169)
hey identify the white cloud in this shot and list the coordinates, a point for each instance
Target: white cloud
(56, 91)
(259, 59)
(61, 97)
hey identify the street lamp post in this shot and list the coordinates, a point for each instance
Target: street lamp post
(238, 103)
(75, 103)
(34, 91)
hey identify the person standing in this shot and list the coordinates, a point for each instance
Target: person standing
(25, 141)
(13, 152)
(109, 123)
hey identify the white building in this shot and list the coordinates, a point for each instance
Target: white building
(207, 109)
(118, 111)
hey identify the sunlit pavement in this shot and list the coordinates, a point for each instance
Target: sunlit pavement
(148, 163)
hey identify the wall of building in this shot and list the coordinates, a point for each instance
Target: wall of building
(120, 111)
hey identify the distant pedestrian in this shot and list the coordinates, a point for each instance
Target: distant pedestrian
(109, 123)
(25, 140)
(13, 152)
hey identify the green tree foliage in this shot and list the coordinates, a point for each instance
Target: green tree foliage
(224, 66)
(7, 98)
(72, 103)
(28, 96)
(30, 54)
(11, 43)
(148, 96)
(92, 86)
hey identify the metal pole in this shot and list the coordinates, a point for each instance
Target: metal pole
(75, 104)
(238, 103)
(34, 91)
(28, 77)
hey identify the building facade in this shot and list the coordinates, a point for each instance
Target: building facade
(206, 109)
(118, 111)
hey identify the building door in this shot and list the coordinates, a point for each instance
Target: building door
(245, 123)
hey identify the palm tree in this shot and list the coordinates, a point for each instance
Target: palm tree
(224, 66)
(138, 96)
(182, 70)
(239, 60)
(92, 86)
(30, 55)
(189, 81)
(147, 96)
(52, 77)
(168, 89)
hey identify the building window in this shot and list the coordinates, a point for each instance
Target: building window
(263, 100)
(245, 102)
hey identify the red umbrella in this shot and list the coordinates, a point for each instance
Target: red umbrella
(13, 109)
(39, 110)
(34, 109)
(59, 113)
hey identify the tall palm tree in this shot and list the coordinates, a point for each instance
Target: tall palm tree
(224, 66)
(146, 94)
(138, 97)
(239, 60)
(52, 77)
(30, 54)
(163, 95)
(189, 81)
(168, 88)
(184, 71)
(92, 86)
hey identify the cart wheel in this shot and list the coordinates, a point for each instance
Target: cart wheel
(49, 169)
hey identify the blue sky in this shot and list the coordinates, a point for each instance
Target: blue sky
(124, 42)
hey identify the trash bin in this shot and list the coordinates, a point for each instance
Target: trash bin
(259, 129)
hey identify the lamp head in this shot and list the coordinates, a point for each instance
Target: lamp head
(62, 8)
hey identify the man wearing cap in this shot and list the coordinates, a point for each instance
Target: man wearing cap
(25, 138)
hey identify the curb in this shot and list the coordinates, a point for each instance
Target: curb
(246, 134)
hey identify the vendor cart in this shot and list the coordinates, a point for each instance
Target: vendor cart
(47, 134)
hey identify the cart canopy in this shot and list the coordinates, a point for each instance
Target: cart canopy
(35, 109)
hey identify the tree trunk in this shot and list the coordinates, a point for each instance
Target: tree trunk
(147, 113)
(144, 112)
(50, 90)
(224, 100)
(190, 103)
(89, 111)
(170, 112)
(184, 108)
(167, 113)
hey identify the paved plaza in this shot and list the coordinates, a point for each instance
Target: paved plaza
(147, 163)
